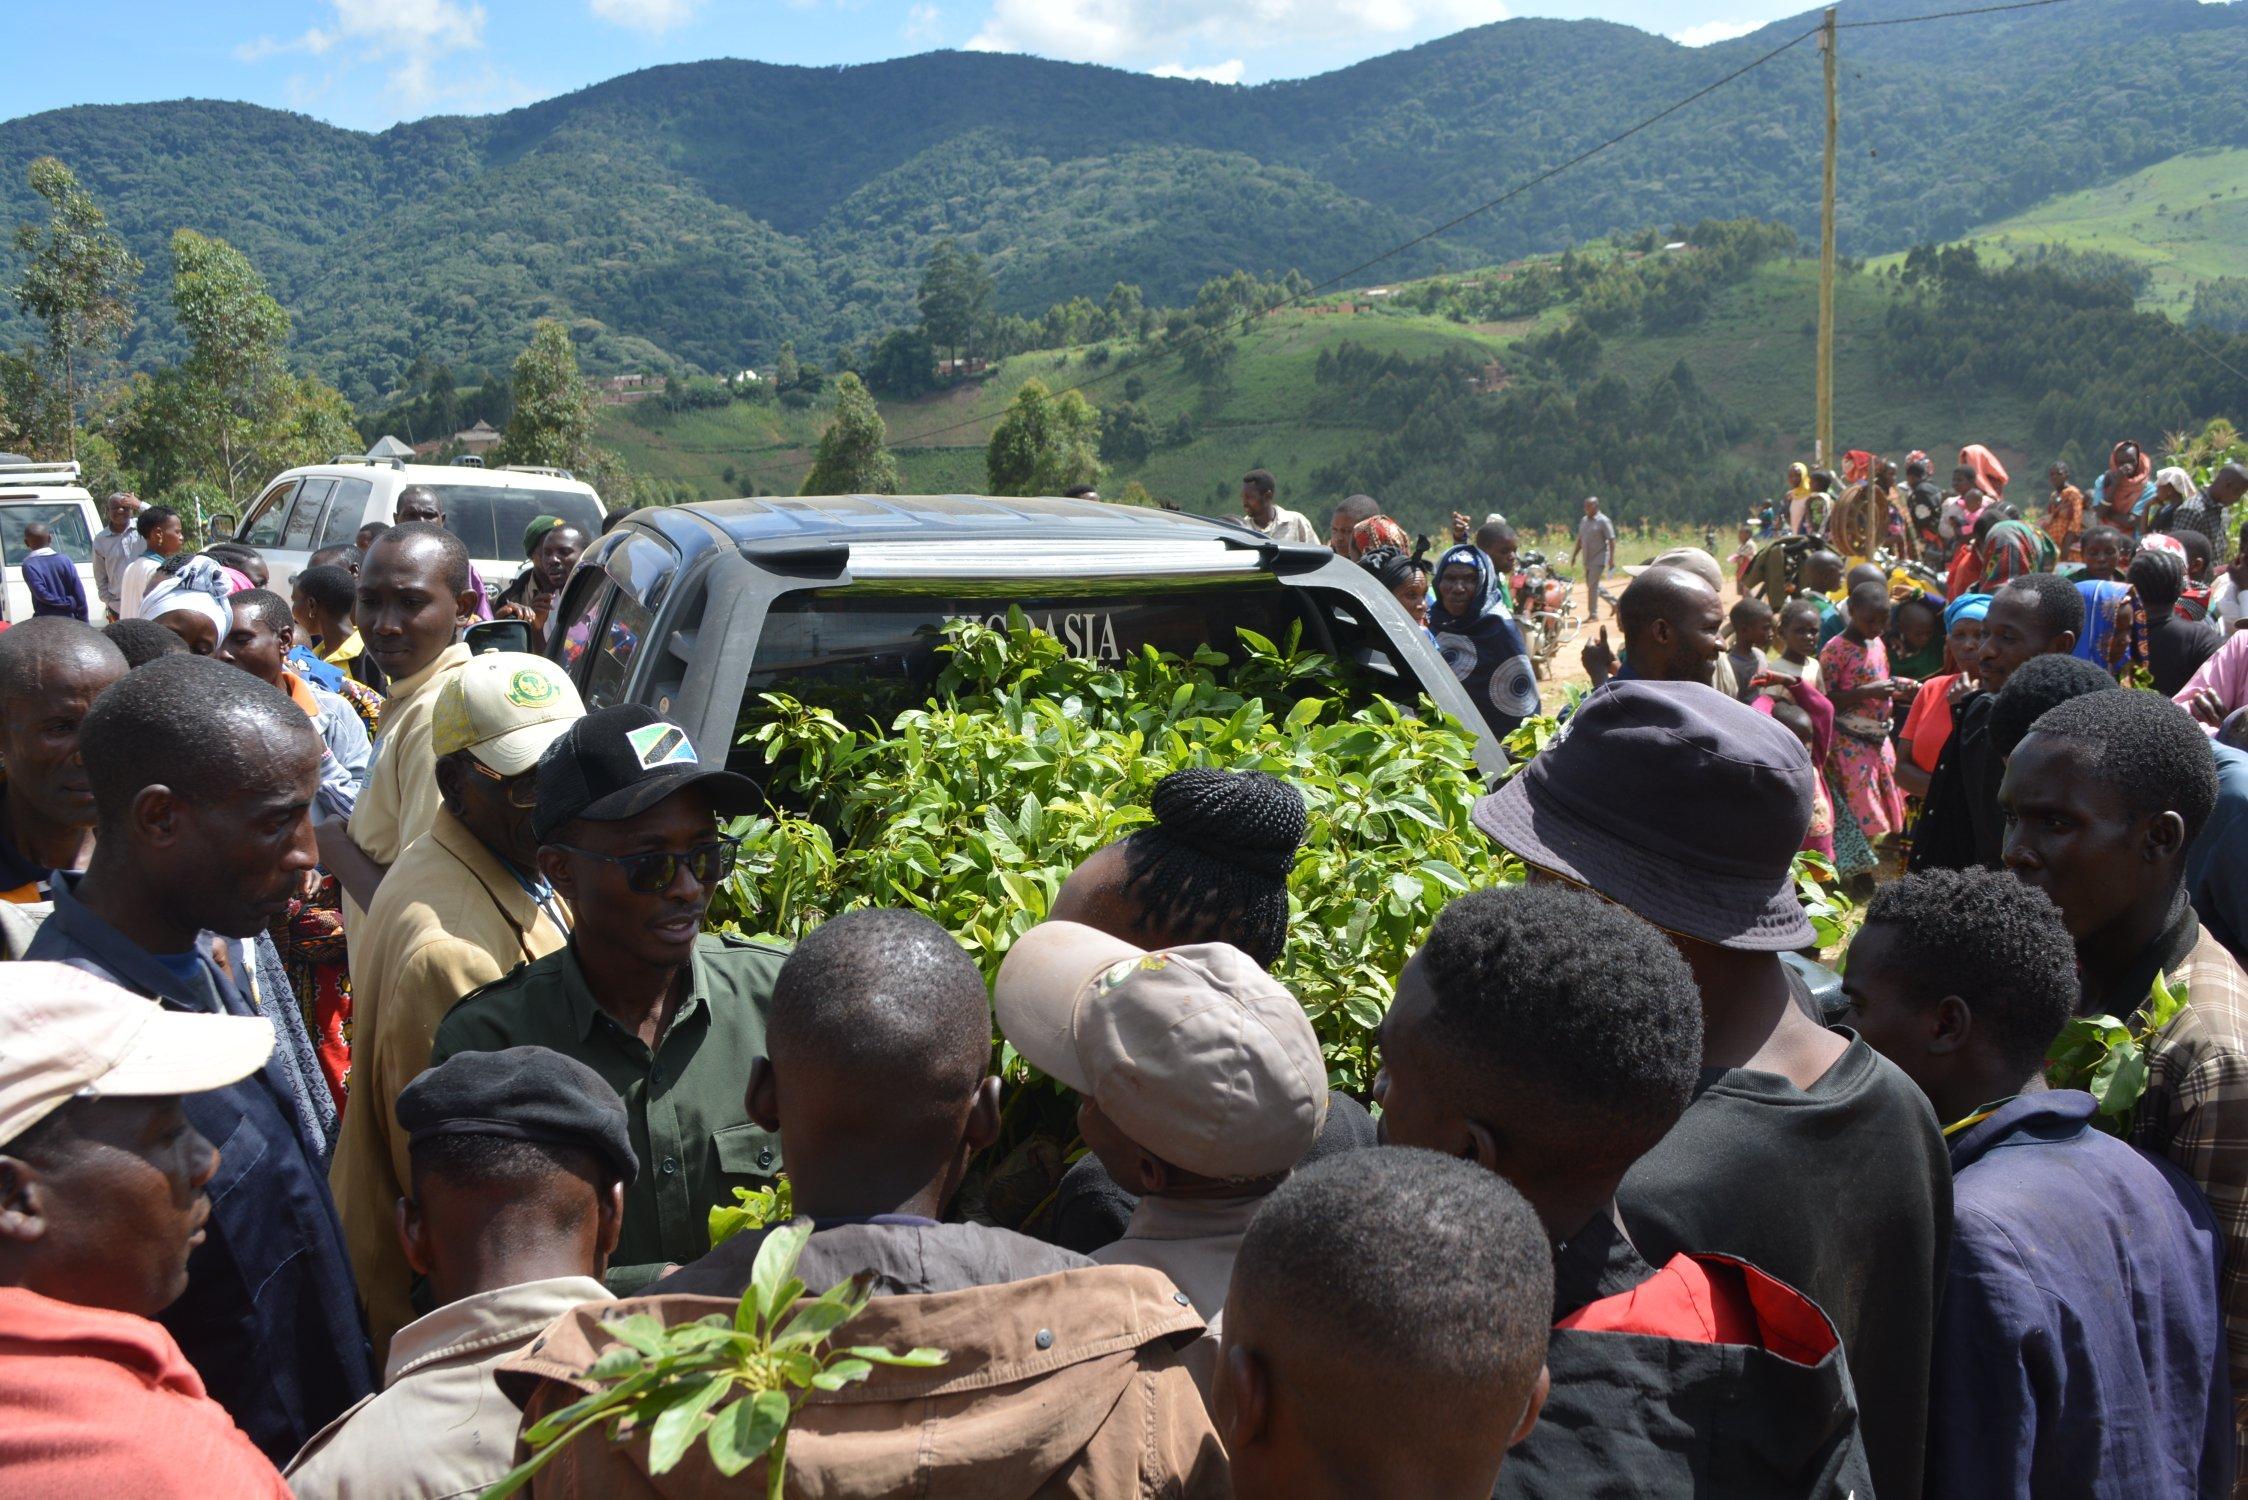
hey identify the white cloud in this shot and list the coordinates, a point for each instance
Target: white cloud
(653, 16)
(1136, 33)
(923, 23)
(411, 37)
(1229, 71)
(1710, 32)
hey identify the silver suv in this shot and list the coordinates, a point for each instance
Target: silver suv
(696, 609)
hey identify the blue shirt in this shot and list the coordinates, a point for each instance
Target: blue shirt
(54, 584)
(312, 669)
(270, 1318)
(2080, 1349)
(2217, 864)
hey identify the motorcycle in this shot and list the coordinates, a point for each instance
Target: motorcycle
(1545, 608)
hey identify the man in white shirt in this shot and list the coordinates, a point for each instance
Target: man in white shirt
(1264, 511)
(115, 548)
(161, 535)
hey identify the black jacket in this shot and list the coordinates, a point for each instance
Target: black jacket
(1645, 1402)
(1959, 826)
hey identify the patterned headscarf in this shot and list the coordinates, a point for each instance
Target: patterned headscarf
(1378, 531)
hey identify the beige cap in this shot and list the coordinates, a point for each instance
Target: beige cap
(505, 708)
(65, 1034)
(1196, 1053)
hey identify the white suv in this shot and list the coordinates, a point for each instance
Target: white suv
(49, 492)
(324, 505)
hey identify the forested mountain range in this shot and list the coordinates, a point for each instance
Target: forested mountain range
(702, 213)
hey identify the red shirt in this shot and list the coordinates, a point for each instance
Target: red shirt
(103, 1403)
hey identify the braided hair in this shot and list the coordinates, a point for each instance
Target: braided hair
(1216, 861)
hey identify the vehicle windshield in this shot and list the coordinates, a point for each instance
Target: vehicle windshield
(490, 518)
(65, 518)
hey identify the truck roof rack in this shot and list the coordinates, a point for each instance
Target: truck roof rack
(547, 469)
(362, 458)
(36, 471)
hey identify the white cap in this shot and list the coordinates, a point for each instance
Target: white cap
(66, 1034)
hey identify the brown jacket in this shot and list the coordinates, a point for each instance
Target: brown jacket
(1064, 1385)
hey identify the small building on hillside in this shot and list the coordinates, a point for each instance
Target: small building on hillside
(623, 390)
(974, 364)
(473, 441)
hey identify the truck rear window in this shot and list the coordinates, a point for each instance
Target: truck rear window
(866, 654)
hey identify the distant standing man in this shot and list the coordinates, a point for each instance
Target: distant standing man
(161, 537)
(115, 547)
(1596, 542)
(51, 577)
(1265, 512)
(418, 502)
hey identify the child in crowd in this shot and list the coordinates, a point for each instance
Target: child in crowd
(1745, 553)
(1796, 716)
(1916, 638)
(1798, 661)
(1927, 727)
(1751, 621)
(1854, 673)
(2228, 595)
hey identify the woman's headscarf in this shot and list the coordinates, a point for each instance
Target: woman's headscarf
(200, 586)
(1857, 466)
(2180, 482)
(1378, 531)
(1482, 649)
(535, 533)
(1990, 474)
(1798, 481)
(2009, 551)
(1965, 607)
(2125, 491)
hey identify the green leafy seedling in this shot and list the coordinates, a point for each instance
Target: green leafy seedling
(734, 1385)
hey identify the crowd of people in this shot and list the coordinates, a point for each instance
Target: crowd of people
(364, 1060)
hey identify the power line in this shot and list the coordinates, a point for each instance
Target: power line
(1945, 15)
(1249, 320)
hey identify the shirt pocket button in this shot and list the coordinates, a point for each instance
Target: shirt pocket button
(670, 1166)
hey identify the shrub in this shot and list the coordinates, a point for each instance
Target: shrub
(975, 808)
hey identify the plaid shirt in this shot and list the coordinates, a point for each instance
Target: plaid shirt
(2195, 1112)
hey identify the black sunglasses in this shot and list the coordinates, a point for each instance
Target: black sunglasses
(650, 873)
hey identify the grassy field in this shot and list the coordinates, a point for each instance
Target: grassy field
(2186, 217)
(1753, 353)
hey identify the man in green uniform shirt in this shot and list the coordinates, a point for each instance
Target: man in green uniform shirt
(672, 1018)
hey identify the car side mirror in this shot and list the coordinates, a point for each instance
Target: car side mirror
(486, 636)
(222, 526)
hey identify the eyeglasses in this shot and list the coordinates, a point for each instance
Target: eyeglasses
(650, 873)
(521, 792)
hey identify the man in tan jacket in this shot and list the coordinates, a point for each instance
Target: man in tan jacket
(462, 906)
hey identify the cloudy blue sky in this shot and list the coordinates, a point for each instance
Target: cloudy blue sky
(370, 63)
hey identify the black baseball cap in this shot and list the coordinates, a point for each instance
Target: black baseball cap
(616, 763)
(521, 1094)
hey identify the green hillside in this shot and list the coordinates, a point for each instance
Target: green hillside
(2185, 218)
(1271, 418)
(1752, 354)
(695, 216)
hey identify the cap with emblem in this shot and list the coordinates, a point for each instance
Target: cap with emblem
(504, 708)
(1196, 1053)
(64, 1035)
(522, 1094)
(618, 762)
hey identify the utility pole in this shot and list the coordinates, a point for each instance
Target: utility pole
(1823, 421)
